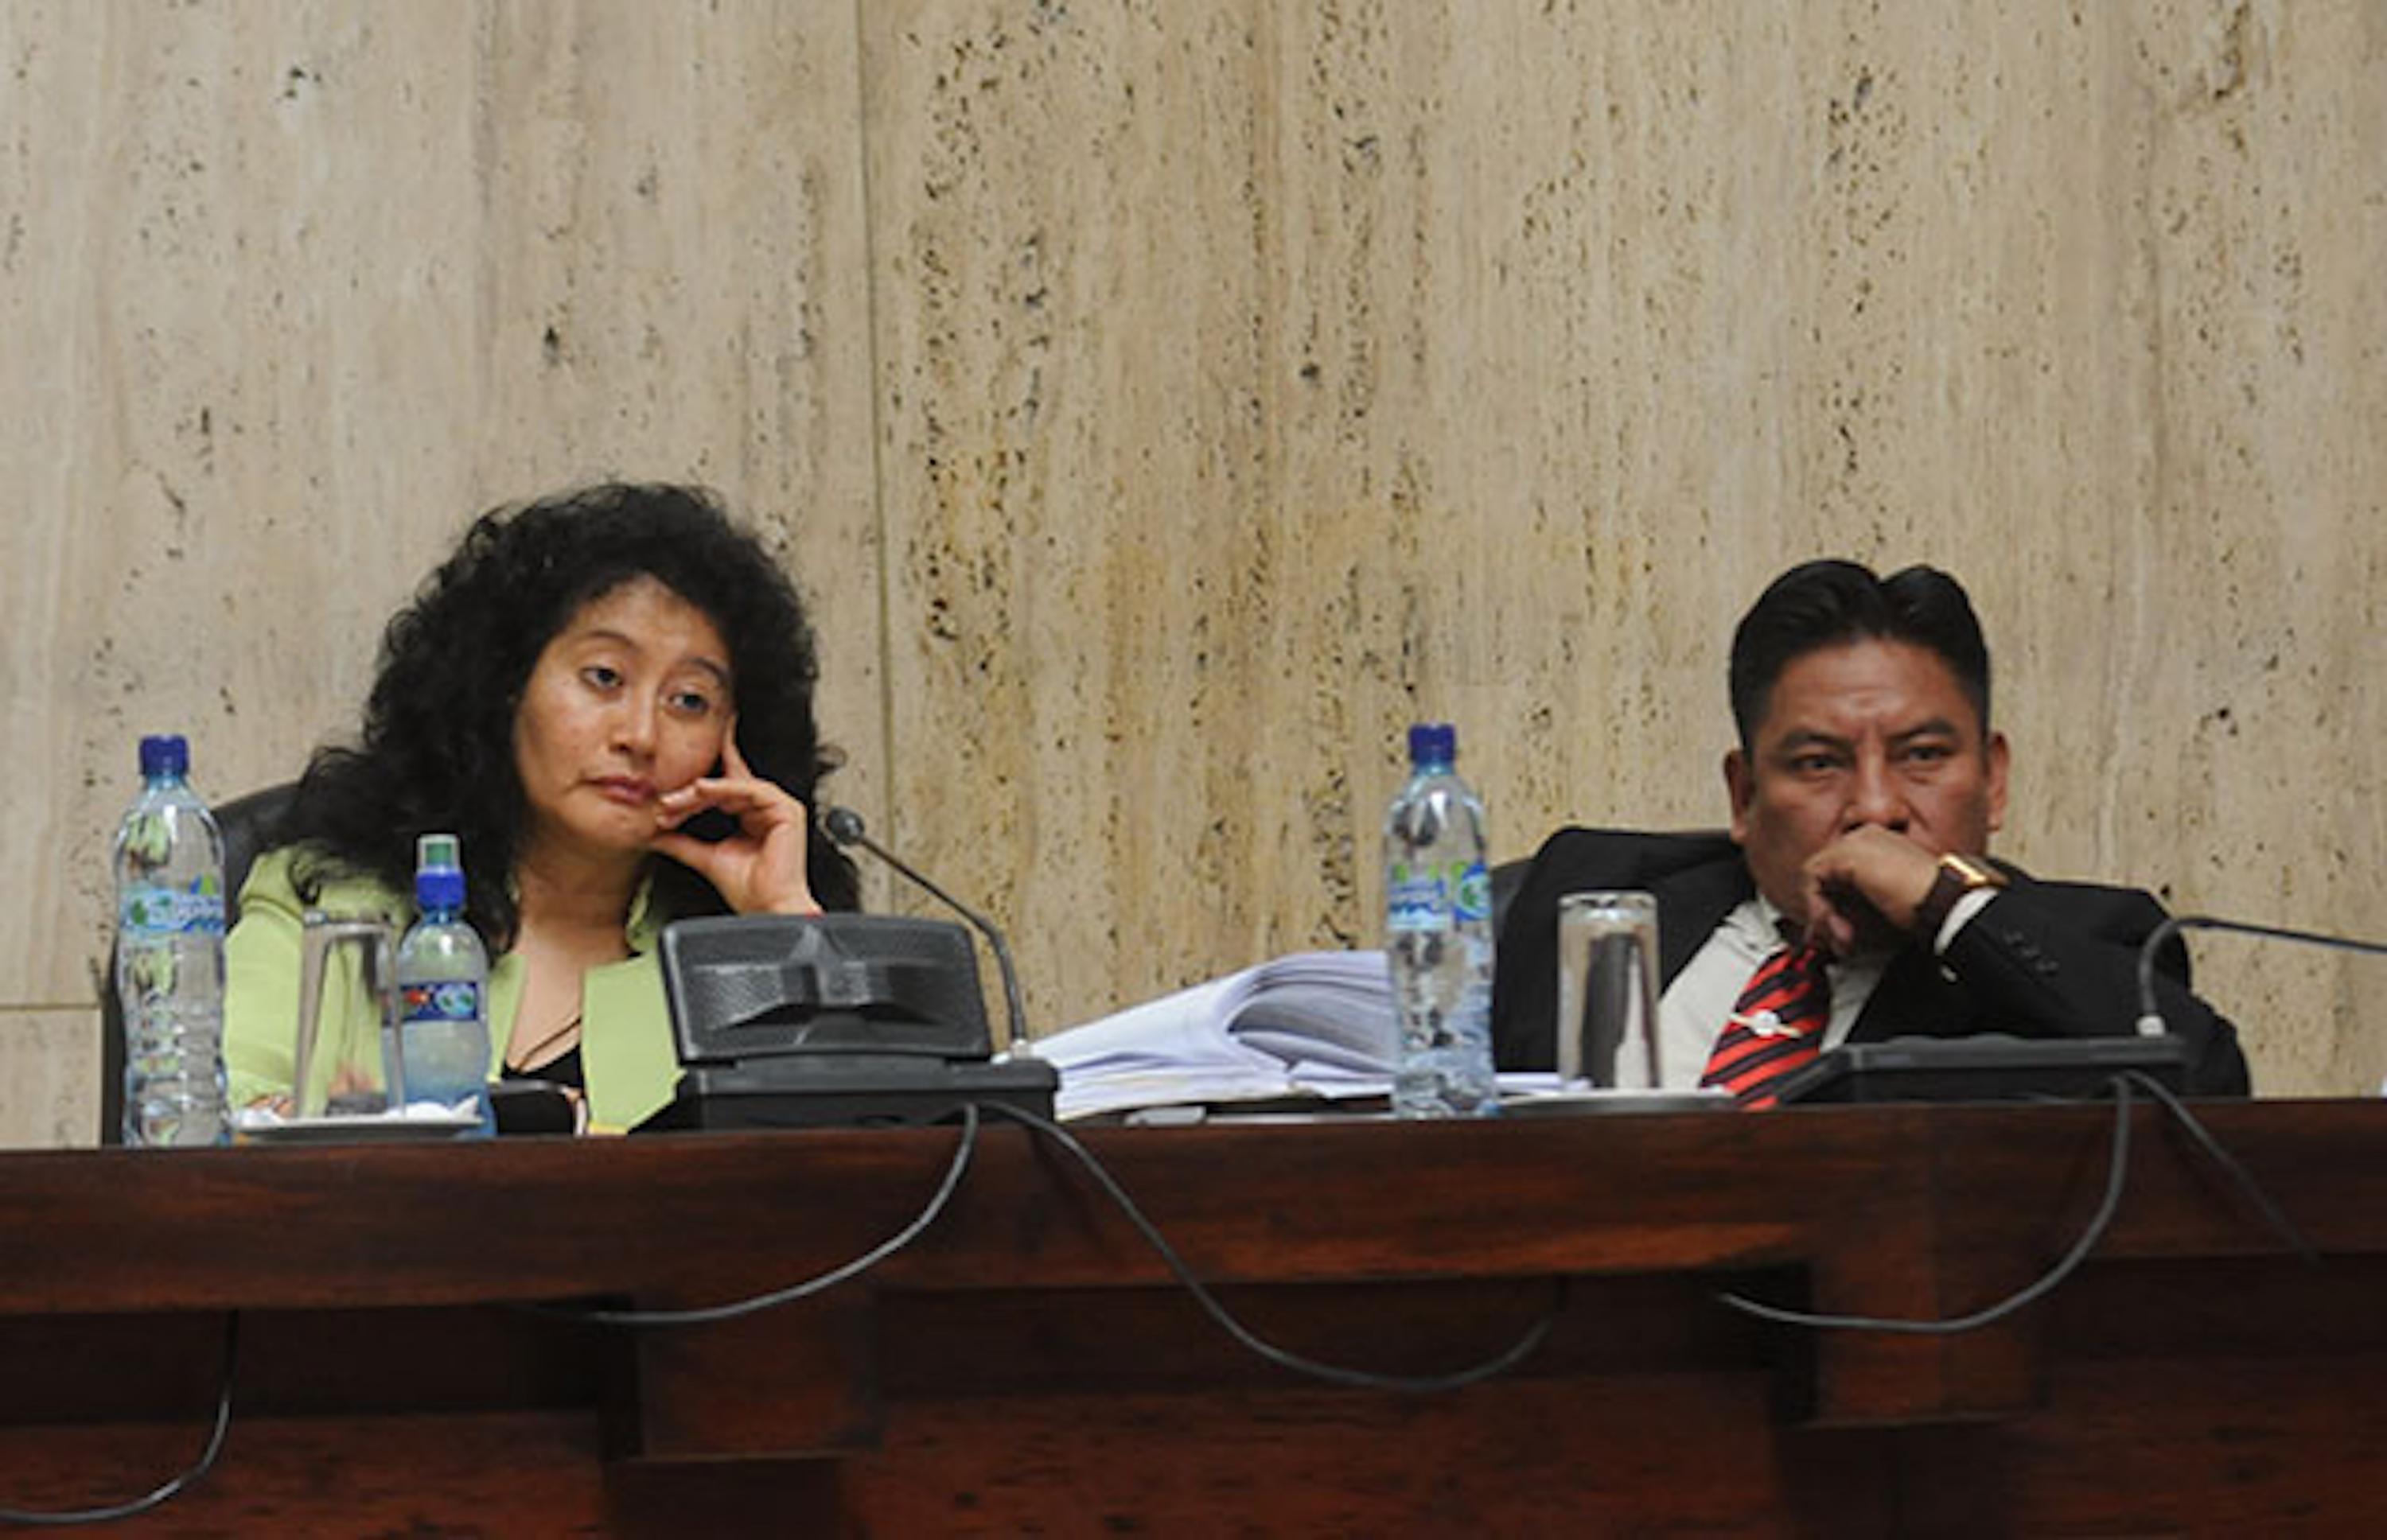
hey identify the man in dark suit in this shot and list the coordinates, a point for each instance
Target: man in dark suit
(1853, 899)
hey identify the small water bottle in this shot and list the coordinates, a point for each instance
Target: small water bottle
(1439, 935)
(443, 986)
(170, 927)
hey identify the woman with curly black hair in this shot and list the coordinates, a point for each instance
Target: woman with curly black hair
(608, 695)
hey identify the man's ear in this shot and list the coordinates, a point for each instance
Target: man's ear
(1997, 756)
(1741, 787)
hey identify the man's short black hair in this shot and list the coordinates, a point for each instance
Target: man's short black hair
(1819, 604)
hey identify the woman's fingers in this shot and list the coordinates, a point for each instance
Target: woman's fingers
(733, 794)
(761, 866)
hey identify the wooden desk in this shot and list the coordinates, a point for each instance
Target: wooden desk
(1030, 1363)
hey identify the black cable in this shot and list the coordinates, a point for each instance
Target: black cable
(2117, 1169)
(1516, 1353)
(2276, 1217)
(1332, 1373)
(173, 1488)
(2150, 1021)
(707, 1313)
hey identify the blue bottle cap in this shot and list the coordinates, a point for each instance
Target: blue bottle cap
(439, 872)
(439, 888)
(1434, 743)
(164, 754)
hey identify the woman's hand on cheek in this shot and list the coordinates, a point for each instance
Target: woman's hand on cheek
(758, 870)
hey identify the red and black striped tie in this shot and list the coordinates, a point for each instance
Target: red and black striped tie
(1775, 1029)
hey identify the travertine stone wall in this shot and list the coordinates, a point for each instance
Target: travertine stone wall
(1207, 389)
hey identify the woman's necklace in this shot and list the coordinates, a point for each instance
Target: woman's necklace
(537, 1054)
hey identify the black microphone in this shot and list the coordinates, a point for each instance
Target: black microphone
(2150, 1021)
(844, 825)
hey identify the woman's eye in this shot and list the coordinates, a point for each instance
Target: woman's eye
(602, 675)
(691, 702)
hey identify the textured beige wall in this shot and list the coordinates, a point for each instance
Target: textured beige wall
(1212, 387)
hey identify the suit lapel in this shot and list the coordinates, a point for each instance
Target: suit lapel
(1915, 999)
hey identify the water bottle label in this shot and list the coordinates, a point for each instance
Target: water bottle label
(1416, 900)
(1474, 901)
(1429, 898)
(456, 1000)
(157, 910)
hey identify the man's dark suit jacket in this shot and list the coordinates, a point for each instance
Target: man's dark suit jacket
(2041, 959)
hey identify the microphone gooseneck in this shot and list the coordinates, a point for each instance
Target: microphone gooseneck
(2150, 1021)
(845, 827)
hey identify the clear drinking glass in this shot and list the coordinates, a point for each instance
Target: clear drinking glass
(1608, 983)
(348, 1060)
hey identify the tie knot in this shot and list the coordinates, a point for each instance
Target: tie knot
(1803, 955)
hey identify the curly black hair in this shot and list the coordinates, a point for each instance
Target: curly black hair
(437, 752)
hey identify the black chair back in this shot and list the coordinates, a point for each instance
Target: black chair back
(1507, 877)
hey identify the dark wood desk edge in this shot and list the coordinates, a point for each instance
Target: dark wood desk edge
(1896, 1211)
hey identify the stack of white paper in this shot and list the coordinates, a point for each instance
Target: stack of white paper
(1312, 1024)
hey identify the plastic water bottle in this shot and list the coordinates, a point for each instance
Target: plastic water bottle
(1439, 941)
(169, 926)
(443, 983)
